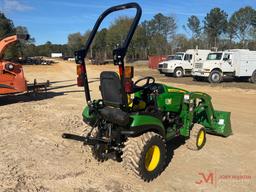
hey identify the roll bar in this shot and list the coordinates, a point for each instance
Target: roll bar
(119, 53)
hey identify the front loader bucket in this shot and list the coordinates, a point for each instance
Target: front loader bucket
(221, 125)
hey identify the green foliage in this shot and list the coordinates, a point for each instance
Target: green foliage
(215, 23)
(158, 32)
(100, 46)
(194, 25)
(6, 26)
(156, 36)
(117, 31)
(75, 41)
(161, 25)
(46, 50)
(6, 29)
(180, 42)
(242, 22)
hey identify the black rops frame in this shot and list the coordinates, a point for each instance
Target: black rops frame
(118, 54)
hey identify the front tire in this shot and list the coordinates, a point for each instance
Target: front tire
(215, 77)
(145, 155)
(178, 72)
(253, 77)
(197, 137)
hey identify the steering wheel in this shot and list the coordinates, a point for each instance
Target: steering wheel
(148, 79)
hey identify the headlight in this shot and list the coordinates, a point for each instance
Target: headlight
(9, 66)
(186, 98)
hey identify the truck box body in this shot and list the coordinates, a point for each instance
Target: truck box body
(233, 62)
(244, 62)
(198, 55)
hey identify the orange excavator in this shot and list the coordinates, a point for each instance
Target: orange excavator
(12, 79)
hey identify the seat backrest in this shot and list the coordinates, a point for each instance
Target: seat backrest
(111, 89)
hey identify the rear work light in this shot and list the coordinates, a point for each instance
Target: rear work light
(80, 81)
(128, 72)
(128, 85)
(80, 75)
(79, 69)
(128, 75)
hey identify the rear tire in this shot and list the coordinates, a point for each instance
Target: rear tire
(178, 72)
(197, 137)
(253, 77)
(145, 155)
(215, 77)
(99, 150)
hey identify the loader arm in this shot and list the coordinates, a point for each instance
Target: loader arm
(216, 122)
(207, 104)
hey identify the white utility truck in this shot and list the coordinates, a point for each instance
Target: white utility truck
(183, 62)
(160, 65)
(240, 63)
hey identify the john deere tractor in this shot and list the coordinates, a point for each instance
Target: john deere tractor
(134, 120)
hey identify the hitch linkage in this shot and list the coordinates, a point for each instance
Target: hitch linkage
(86, 139)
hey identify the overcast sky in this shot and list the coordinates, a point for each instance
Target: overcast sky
(53, 20)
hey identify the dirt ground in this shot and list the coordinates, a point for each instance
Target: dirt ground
(227, 81)
(34, 157)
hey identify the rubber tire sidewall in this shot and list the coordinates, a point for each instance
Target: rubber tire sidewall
(253, 77)
(178, 69)
(204, 141)
(94, 149)
(150, 175)
(191, 143)
(211, 74)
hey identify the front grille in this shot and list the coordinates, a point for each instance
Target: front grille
(160, 66)
(165, 65)
(198, 65)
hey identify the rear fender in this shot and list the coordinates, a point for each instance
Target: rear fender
(88, 118)
(146, 123)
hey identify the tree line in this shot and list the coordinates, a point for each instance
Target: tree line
(157, 36)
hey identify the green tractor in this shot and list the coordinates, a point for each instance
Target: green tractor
(133, 121)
